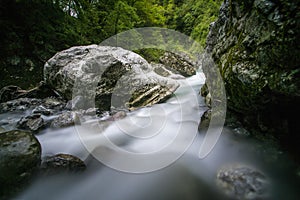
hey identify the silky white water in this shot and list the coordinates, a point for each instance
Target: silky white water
(139, 162)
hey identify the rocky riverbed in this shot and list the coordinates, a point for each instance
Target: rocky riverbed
(56, 139)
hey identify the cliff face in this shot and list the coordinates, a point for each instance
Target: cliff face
(256, 47)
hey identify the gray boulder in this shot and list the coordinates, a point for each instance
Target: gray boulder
(106, 77)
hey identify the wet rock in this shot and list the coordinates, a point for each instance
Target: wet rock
(32, 122)
(120, 77)
(178, 64)
(41, 110)
(205, 120)
(20, 156)
(240, 182)
(54, 103)
(19, 104)
(206, 94)
(65, 119)
(62, 163)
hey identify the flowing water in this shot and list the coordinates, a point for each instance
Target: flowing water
(145, 165)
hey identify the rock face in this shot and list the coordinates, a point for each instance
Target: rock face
(106, 74)
(20, 156)
(256, 47)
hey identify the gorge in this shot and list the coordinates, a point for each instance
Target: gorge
(71, 142)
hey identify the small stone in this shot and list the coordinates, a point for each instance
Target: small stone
(62, 163)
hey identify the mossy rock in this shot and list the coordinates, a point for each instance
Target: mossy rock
(20, 156)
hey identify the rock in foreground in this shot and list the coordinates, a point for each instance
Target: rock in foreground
(106, 76)
(20, 156)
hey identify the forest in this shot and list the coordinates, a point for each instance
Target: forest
(32, 31)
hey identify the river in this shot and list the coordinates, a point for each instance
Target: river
(153, 154)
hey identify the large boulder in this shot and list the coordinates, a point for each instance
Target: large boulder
(255, 45)
(20, 156)
(106, 74)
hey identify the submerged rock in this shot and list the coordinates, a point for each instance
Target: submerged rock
(20, 156)
(178, 64)
(106, 76)
(62, 163)
(240, 182)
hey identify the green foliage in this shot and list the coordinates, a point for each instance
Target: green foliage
(194, 16)
(34, 30)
